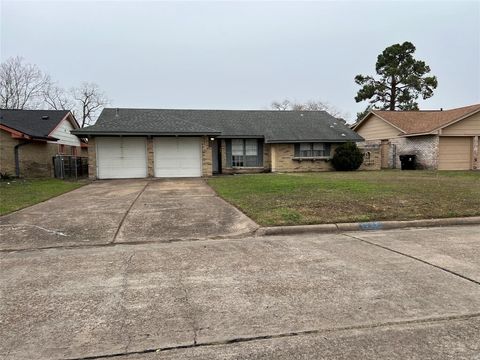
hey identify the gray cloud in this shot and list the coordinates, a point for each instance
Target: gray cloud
(241, 55)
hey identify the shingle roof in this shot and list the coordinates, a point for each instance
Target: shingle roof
(419, 122)
(274, 126)
(35, 123)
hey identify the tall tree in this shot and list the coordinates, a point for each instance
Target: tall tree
(22, 85)
(362, 114)
(56, 98)
(90, 100)
(402, 80)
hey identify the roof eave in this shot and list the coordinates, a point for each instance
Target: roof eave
(284, 141)
(140, 133)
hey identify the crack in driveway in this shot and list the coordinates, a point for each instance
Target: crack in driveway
(127, 212)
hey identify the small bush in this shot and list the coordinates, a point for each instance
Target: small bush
(5, 176)
(347, 157)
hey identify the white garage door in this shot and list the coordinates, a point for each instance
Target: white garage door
(455, 153)
(121, 157)
(177, 157)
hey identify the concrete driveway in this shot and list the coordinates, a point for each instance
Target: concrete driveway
(407, 294)
(108, 212)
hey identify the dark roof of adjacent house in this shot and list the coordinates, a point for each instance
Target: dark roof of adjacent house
(273, 125)
(422, 121)
(37, 124)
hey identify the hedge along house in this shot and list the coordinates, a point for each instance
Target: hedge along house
(138, 143)
(441, 139)
(29, 139)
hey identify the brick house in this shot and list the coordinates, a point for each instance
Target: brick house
(441, 139)
(137, 143)
(30, 138)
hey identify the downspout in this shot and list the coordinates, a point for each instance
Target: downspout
(17, 161)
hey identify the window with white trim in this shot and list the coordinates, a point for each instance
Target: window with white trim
(245, 153)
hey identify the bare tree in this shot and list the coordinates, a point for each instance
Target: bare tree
(21, 85)
(56, 98)
(90, 100)
(310, 105)
(283, 105)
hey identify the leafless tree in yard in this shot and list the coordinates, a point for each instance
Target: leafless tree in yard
(310, 105)
(57, 98)
(90, 100)
(283, 106)
(22, 85)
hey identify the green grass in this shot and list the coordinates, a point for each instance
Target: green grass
(17, 194)
(329, 197)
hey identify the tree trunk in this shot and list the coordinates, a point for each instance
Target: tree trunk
(393, 95)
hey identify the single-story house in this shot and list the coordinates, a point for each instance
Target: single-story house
(440, 139)
(138, 143)
(30, 138)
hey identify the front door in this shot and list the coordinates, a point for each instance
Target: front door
(216, 157)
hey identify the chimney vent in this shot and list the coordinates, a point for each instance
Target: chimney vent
(116, 112)
(45, 117)
(441, 109)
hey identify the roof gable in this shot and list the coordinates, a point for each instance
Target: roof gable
(426, 121)
(35, 123)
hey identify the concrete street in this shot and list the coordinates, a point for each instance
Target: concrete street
(399, 294)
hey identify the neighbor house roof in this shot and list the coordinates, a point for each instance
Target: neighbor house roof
(274, 126)
(37, 124)
(422, 121)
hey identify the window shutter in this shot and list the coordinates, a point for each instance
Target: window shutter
(260, 152)
(228, 148)
(297, 150)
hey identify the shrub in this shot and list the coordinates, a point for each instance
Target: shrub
(5, 176)
(347, 157)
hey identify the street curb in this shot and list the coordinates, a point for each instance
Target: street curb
(364, 226)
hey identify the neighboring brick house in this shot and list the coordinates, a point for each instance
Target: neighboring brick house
(441, 139)
(137, 143)
(30, 138)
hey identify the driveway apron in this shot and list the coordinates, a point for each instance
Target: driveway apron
(124, 211)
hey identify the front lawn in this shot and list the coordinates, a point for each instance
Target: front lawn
(17, 194)
(330, 197)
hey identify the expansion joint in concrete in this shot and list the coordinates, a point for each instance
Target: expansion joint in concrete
(414, 258)
(127, 212)
(284, 335)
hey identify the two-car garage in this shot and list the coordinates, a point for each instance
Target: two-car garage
(127, 157)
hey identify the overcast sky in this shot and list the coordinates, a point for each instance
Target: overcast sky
(242, 55)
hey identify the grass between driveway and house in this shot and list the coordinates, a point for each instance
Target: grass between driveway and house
(333, 197)
(17, 194)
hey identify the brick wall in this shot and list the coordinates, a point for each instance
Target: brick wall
(92, 159)
(207, 165)
(424, 147)
(35, 158)
(282, 160)
(371, 156)
(476, 153)
(150, 157)
(7, 159)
